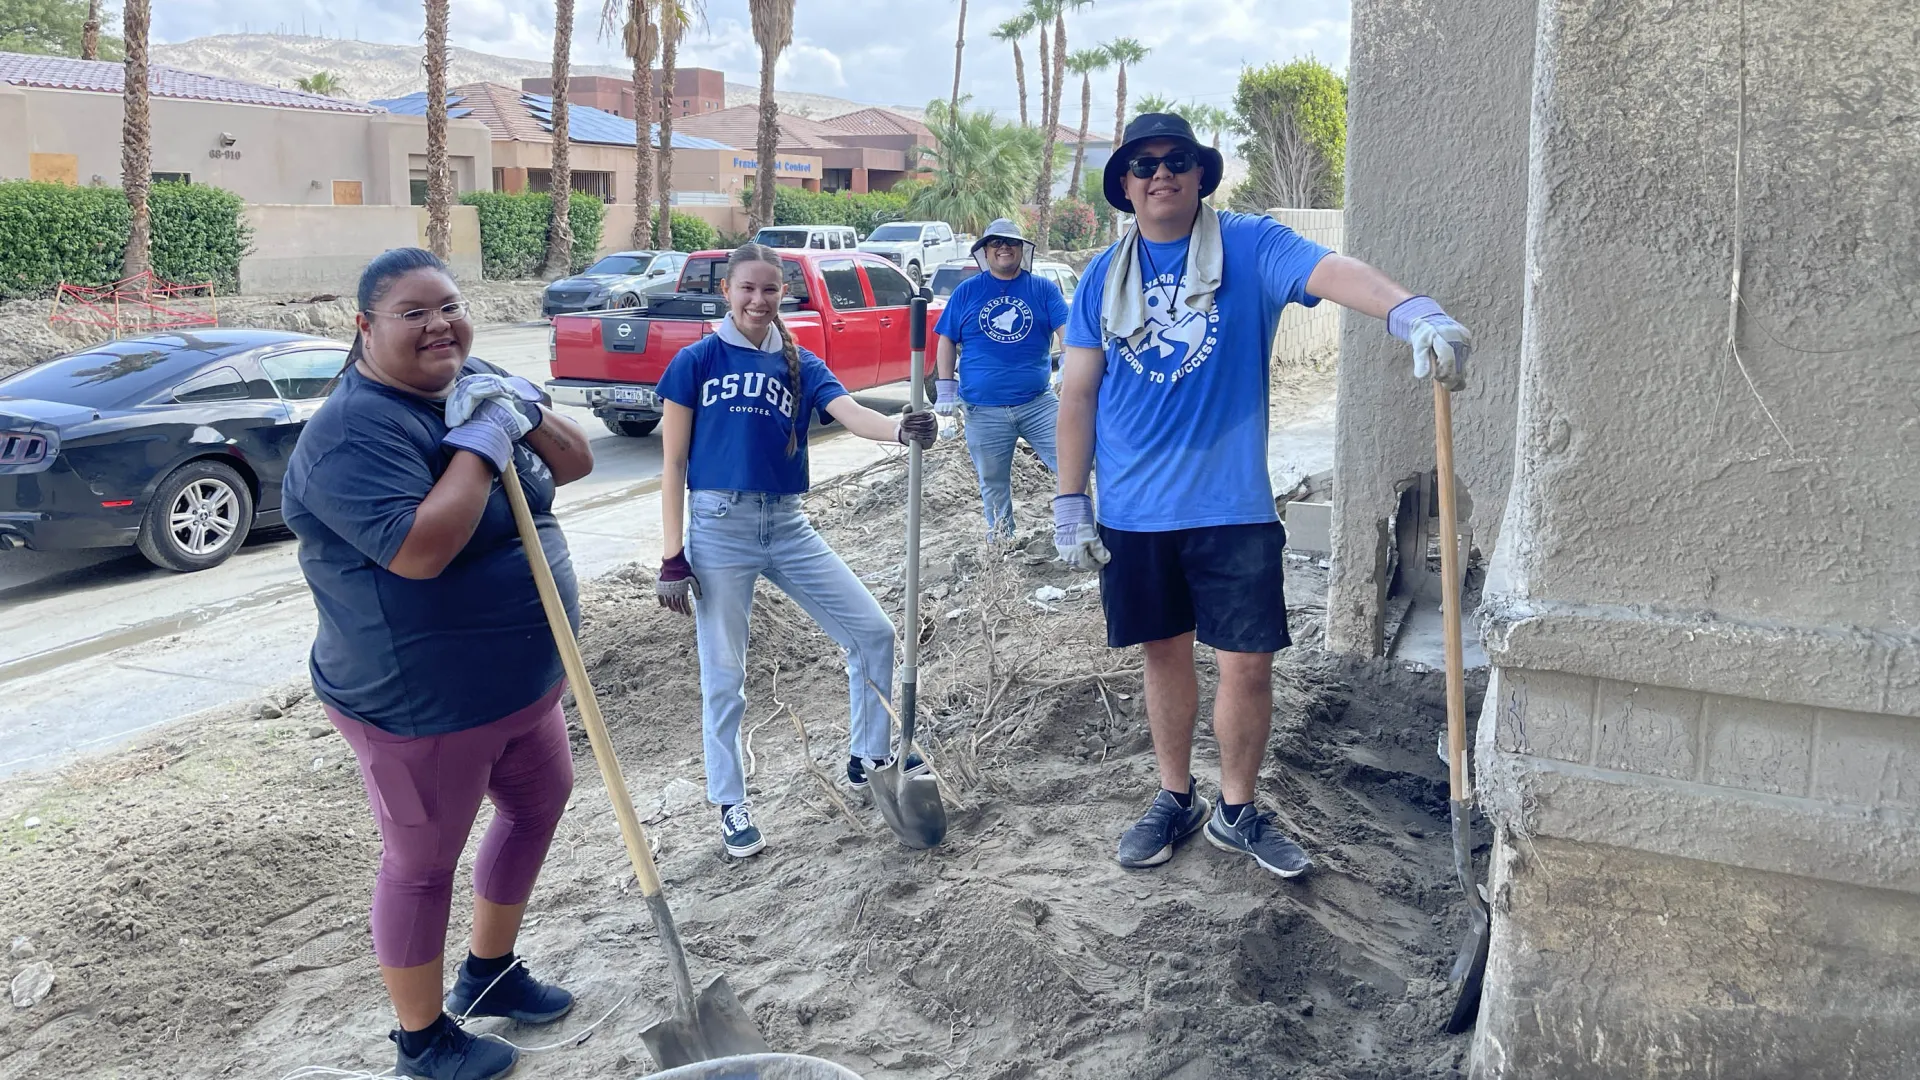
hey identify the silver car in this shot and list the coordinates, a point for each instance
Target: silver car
(623, 279)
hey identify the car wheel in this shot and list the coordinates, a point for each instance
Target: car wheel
(628, 301)
(913, 274)
(199, 517)
(632, 429)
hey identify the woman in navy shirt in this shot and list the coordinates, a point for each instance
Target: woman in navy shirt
(734, 437)
(433, 656)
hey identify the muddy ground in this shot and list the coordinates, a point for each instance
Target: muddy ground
(202, 897)
(28, 338)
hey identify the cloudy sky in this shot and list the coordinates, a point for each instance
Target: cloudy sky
(881, 51)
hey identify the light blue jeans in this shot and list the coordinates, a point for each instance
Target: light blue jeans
(992, 431)
(735, 537)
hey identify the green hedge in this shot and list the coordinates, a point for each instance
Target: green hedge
(199, 234)
(513, 230)
(50, 233)
(798, 206)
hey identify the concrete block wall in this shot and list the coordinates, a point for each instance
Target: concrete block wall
(1310, 335)
(1436, 177)
(322, 249)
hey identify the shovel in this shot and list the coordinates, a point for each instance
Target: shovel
(1470, 966)
(911, 804)
(707, 1025)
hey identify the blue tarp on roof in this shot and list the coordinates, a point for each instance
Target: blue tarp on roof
(590, 125)
(416, 105)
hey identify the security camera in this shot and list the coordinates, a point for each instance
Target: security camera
(228, 138)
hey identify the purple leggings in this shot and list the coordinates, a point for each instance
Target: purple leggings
(425, 792)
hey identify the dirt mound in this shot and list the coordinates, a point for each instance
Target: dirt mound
(202, 898)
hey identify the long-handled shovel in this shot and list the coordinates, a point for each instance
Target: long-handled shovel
(1470, 966)
(707, 1025)
(911, 804)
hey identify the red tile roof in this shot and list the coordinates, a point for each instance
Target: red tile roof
(99, 76)
(878, 121)
(500, 109)
(740, 127)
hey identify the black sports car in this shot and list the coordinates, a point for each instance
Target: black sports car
(176, 442)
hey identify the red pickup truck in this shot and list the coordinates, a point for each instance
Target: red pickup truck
(847, 307)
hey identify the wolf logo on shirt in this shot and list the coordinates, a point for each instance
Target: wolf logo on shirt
(1006, 319)
(1174, 342)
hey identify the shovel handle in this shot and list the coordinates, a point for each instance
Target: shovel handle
(632, 833)
(1450, 596)
(916, 398)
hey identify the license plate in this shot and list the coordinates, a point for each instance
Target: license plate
(634, 395)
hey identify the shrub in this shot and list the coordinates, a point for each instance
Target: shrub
(198, 234)
(1074, 224)
(513, 230)
(690, 233)
(864, 213)
(51, 233)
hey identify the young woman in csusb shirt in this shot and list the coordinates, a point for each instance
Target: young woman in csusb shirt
(734, 437)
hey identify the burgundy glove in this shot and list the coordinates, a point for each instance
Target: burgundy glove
(676, 587)
(919, 427)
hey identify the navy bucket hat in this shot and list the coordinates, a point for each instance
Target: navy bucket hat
(1145, 128)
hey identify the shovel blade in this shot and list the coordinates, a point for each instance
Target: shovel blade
(719, 1028)
(1470, 965)
(911, 805)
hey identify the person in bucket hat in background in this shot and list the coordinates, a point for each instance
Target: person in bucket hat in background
(1165, 394)
(1001, 325)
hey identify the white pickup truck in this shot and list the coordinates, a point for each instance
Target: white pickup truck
(915, 246)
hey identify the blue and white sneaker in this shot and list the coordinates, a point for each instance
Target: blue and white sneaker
(1255, 835)
(737, 831)
(1151, 839)
(858, 766)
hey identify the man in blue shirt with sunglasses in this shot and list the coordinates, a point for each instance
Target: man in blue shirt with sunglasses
(1165, 395)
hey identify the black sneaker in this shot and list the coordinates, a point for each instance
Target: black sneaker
(455, 1055)
(857, 767)
(738, 832)
(1254, 835)
(1166, 823)
(514, 994)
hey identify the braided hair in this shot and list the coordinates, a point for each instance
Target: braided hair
(760, 253)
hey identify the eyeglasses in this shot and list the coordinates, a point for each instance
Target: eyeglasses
(1178, 162)
(418, 317)
(1003, 245)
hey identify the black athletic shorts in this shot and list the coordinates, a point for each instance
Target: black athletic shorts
(1221, 581)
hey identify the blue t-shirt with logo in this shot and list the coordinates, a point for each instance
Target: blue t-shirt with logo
(417, 657)
(743, 411)
(1180, 434)
(1004, 331)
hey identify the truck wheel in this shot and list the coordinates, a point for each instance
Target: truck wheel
(200, 515)
(632, 429)
(914, 275)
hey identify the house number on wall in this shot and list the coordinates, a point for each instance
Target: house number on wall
(227, 155)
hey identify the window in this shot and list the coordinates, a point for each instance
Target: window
(703, 276)
(499, 179)
(594, 183)
(620, 264)
(781, 238)
(890, 287)
(417, 192)
(220, 384)
(306, 374)
(172, 178)
(895, 233)
(942, 233)
(817, 240)
(843, 284)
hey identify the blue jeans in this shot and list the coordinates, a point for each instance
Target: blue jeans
(992, 431)
(735, 537)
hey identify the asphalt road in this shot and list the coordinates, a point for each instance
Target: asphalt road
(98, 646)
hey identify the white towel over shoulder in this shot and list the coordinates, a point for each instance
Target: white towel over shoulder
(1123, 305)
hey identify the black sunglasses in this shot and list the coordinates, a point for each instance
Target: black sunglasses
(1180, 161)
(999, 244)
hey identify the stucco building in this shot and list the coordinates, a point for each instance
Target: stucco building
(853, 161)
(695, 91)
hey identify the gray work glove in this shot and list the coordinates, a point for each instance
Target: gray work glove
(676, 586)
(489, 431)
(1075, 536)
(946, 396)
(918, 427)
(509, 390)
(1440, 345)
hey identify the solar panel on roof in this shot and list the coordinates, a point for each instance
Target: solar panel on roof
(590, 125)
(416, 105)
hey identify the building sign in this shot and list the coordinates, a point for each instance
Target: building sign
(781, 165)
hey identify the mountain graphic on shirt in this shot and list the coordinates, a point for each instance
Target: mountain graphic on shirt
(1159, 342)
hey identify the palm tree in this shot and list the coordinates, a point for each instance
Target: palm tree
(1124, 51)
(959, 47)
(90, 32)
(1039, 13)
(773, 31)
(982, 168)
(1043, 191)
(439, 184)
(136, 139)
(560, 223)
(633, 20)
(675, 17)
(1214, 120)
(324, 83)
(1154, 103)
(1011, 32)
(1084, 62)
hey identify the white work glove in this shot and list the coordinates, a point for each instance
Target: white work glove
(946, 396)
(516, 393)
(1075, 536)
(1440, 345)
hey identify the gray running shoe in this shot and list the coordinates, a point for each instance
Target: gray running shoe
(1255, 835)
(1150, 841)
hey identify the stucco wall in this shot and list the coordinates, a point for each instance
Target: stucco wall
(1436, 172)
(286, 156)
(322, 249)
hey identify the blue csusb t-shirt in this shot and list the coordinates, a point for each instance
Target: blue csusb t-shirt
(1004, 331)
(743, 411)
(1180, 434)
(417, 657)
